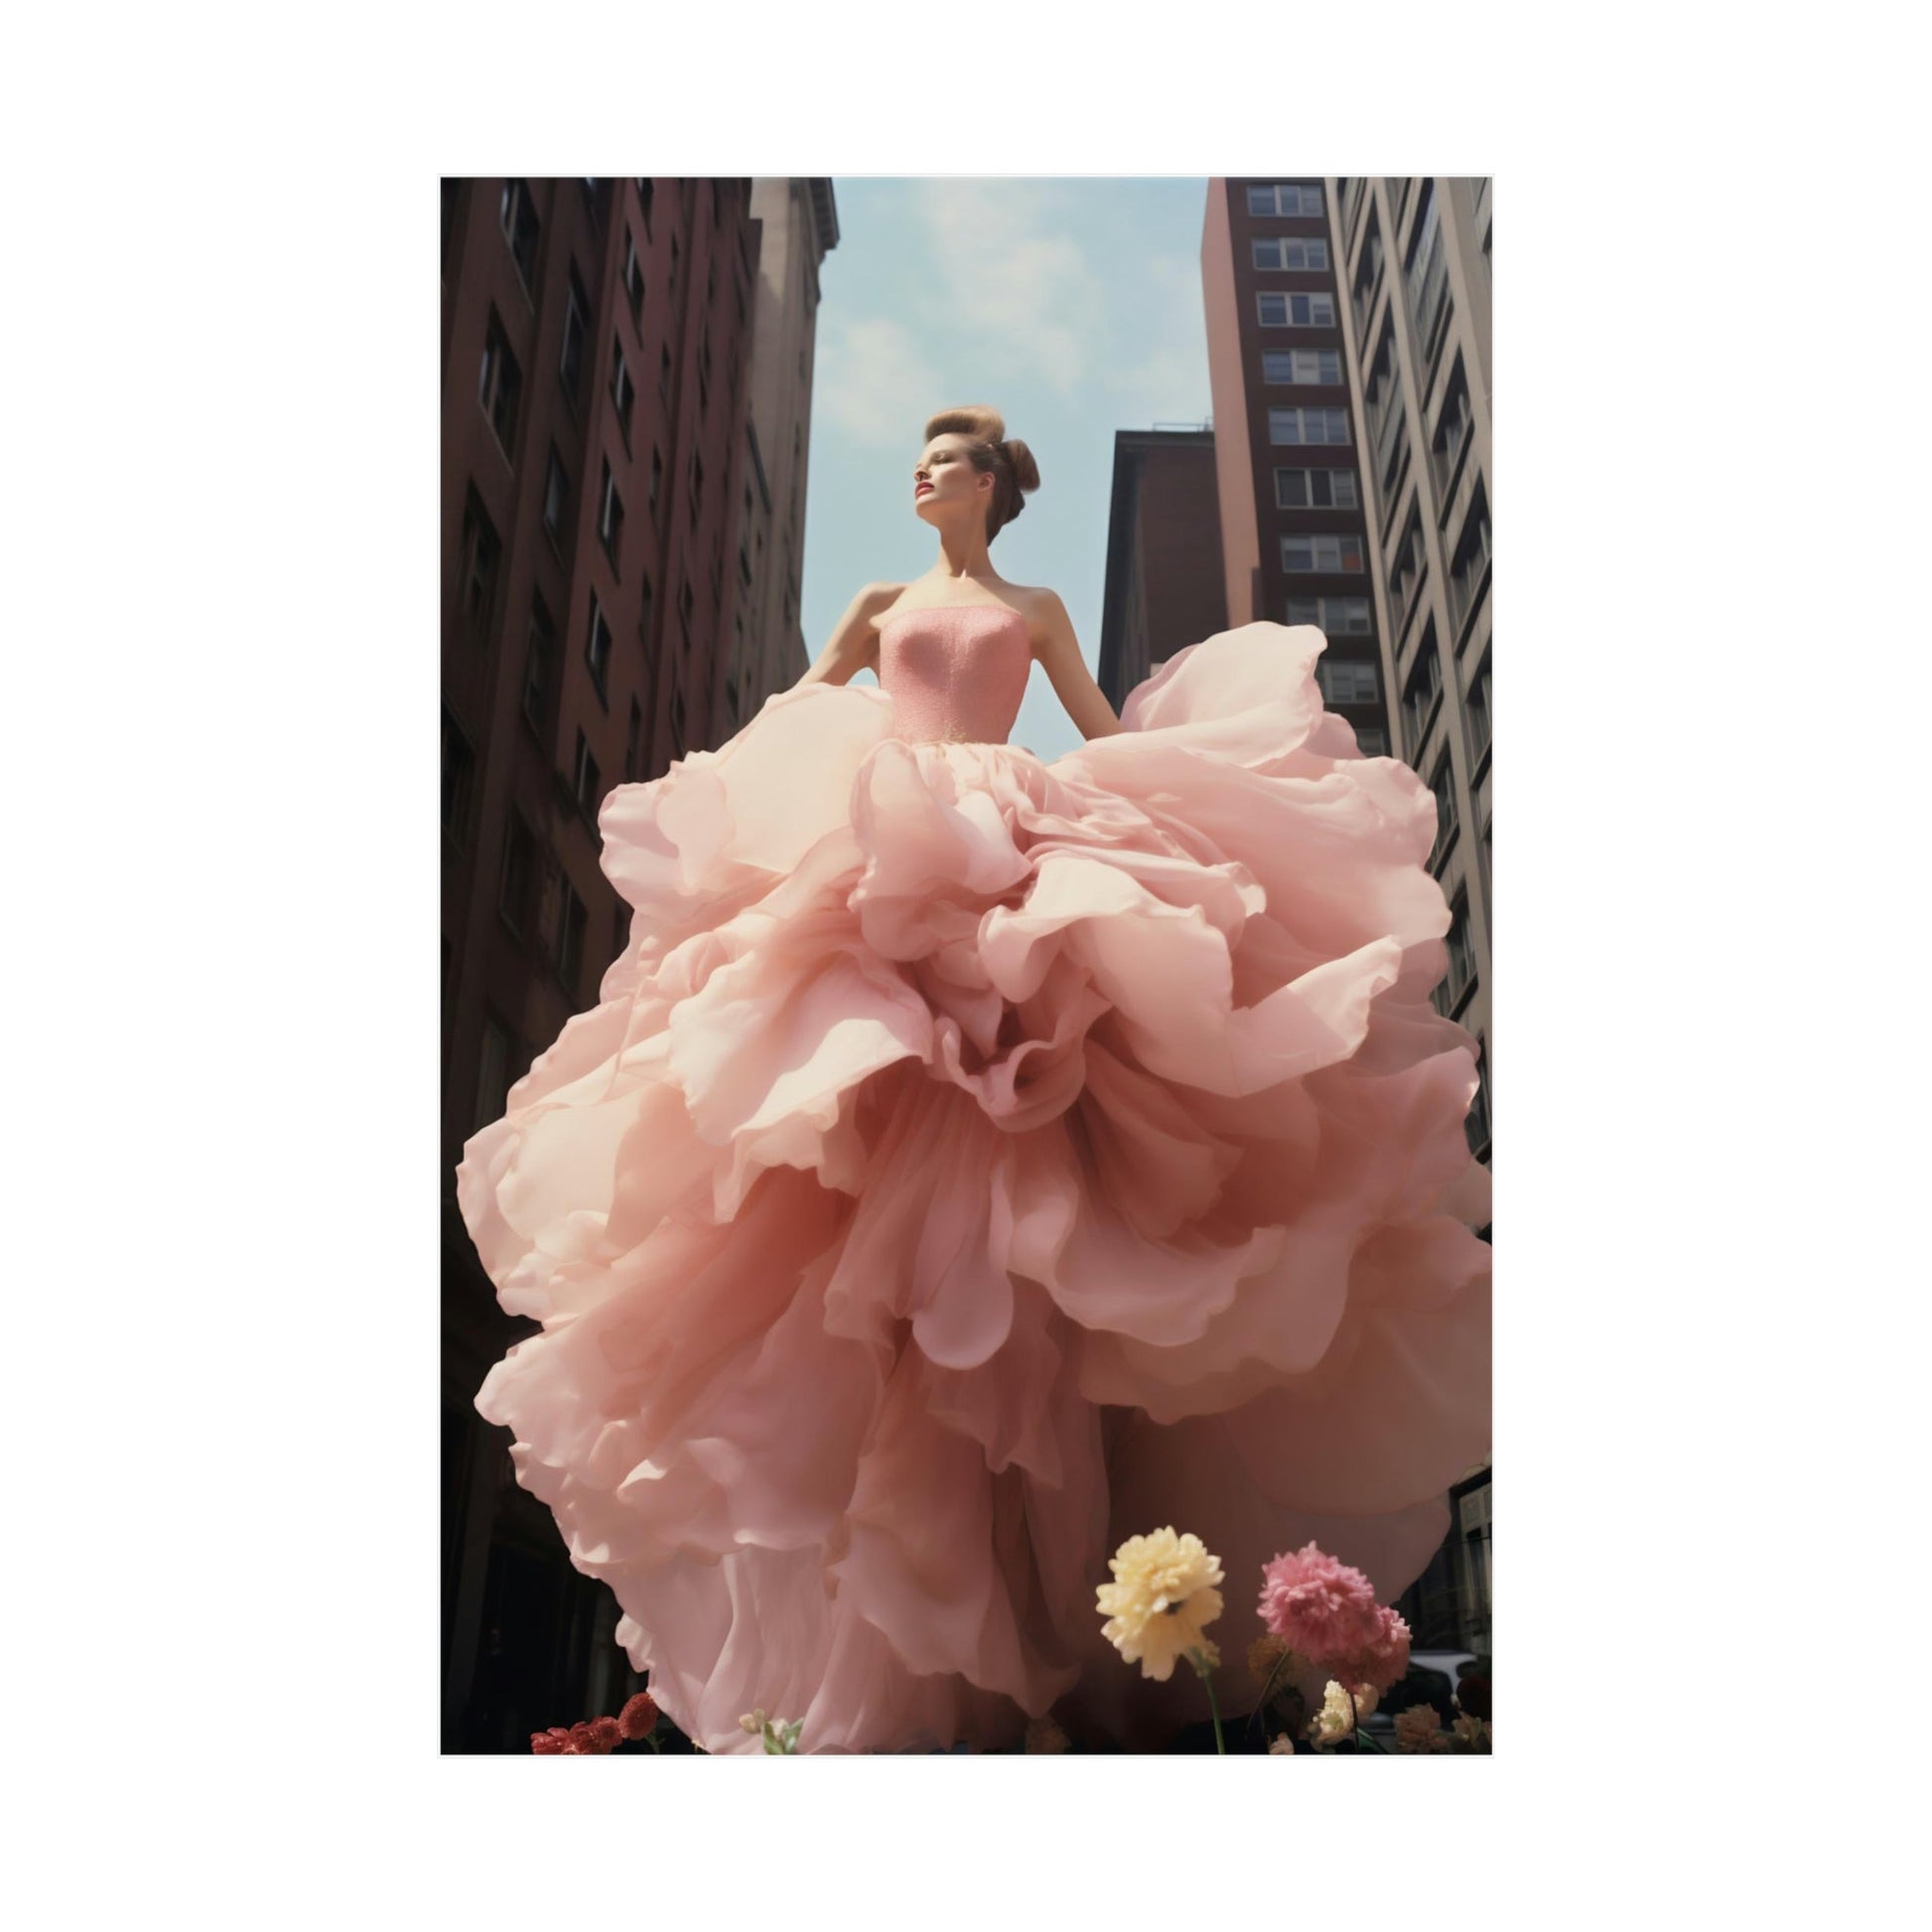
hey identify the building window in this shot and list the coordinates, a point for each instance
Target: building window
(644, 611)
(1296, 311)
(1372, 741)
(633, 743)
(591, 200)
(556, 496)
(634, 276)
(665, 374)
(520, 231)
(1442, 788)
(577, 320)
(1318, 365)
(1475, 709)
(520, 874)
(481, 554)
(493, 1072)
(1475, 1123)
(1368, 273)
(1461, 958)
(1290, 253)
(623, 394)
(1426, 274)
(1348, 680)
(1316, 490)
(458, 764)
(674, 264)
(1470, 569)
(697, 486)
(561, 927)
(1308, 426)
(1406, 573)
(677, 721)
(597, 648)
(1420, 695)
(585, 778)
(656, 476)
(610, 518)
(1306, 552)
(686, 602)
(500, 383)
(1284, 198)
(646, 191)
(1338, 616)
(1453, 426)
(539, 650)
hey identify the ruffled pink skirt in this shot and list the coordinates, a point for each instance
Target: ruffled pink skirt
(973, 1161)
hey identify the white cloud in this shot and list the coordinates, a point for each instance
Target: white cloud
(1012, 275)
(1170, 381)
(873, 378)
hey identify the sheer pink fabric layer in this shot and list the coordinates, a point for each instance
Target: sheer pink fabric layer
(974, 1161)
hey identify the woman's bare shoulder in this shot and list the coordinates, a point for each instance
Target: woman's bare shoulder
(876, 601)
(1043, 609)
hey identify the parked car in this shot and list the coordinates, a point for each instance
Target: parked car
(1432, 1677)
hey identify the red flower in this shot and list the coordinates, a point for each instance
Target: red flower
(606, 1736)
(579, 1742)
(639, 1717)
(548, 1743)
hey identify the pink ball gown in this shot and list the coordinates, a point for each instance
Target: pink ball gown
(974, 1161)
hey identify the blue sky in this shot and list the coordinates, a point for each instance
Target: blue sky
(1072, 305)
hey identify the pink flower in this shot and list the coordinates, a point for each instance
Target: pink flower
(1318, 1606)
(548, 1743)
(1380, 1661)
(606, 1736)
(580, 1742)
(639, 1717)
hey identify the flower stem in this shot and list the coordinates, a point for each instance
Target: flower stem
(1200, 1663)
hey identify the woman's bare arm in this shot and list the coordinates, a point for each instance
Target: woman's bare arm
(854, 644)
(1086, 704)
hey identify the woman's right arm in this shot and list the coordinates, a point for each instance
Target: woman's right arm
(854, 644)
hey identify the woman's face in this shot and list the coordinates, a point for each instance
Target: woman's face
(944, 483)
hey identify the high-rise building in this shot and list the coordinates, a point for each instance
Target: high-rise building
(595, 355)
(1415, 254)
(1286, 444)
(1163, 583)
(798, 225)
(1348, 329)
(1415, 257)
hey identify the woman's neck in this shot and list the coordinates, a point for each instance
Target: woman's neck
(963, 554)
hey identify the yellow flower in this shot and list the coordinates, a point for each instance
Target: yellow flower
(1336, 1718)
(1282, 1747)
(1161, 1599)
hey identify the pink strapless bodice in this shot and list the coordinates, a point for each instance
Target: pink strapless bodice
(955, 672)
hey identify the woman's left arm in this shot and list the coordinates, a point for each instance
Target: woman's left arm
(1060, 651)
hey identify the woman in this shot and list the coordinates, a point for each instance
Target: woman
(974, 1161)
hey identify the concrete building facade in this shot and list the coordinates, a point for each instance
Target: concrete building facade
(1414, 255)
(799, 225)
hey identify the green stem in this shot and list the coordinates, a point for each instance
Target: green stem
(1200, 1663)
